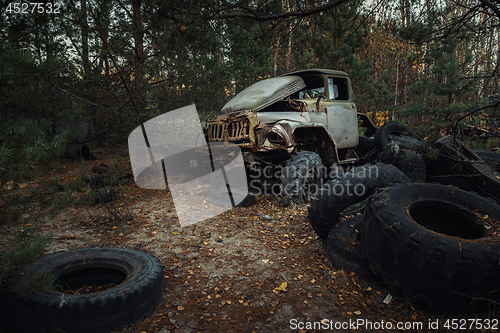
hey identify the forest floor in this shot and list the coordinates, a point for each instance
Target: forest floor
(224, 274)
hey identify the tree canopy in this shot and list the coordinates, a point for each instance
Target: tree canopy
(73, 71)
(122, 61)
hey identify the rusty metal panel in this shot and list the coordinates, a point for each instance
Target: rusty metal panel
(342, 124)
(264, 93)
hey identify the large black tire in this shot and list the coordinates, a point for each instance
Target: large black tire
(348, 189)
(344, 247)
(426, 240)
(490, 157)
(383, 134)
(105, 194)
(76, 151)
(412, 164)
(450, 162)
(366, 143)
(139, 290)
(408, 142)
(302, 177)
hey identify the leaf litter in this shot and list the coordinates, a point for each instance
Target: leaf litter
(236, 272)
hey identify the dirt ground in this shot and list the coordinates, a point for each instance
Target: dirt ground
(223, 274)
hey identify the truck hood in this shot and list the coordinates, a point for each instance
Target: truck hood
(264, 93)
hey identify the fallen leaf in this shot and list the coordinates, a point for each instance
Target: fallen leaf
(282, 288)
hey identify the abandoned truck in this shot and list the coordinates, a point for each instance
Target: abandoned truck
(435, 242)
(300, 126)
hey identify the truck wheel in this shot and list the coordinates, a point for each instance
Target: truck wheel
(384, 133)
(134, 282)
(348, 189)
(105, 194)
(344, 247)
(490, 157)
(408, 142)
(412, 164)
(437, 243)
(366, 143)
(301, 178)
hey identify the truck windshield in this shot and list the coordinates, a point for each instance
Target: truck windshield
(315, 86)
(338, 89)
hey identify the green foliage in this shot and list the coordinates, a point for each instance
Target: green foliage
(38, 283)
(249, 55)
(446, 69)
(441, 93)
(28, 247)
(332, 39)
(28, 196)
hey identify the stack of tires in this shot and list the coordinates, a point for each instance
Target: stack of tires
(435, 243)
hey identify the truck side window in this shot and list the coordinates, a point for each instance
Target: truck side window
(337, 89)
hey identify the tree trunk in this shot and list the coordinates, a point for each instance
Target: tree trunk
(85, 37)
(138, 31)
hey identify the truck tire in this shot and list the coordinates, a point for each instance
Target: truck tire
(382, 136)
(366, 143)
(490, 157)
(138, 290)
(408, 142)
(412, 164)
(346, 190)
(105, 194)
(428, 240)
(301, 178)
(344, 247)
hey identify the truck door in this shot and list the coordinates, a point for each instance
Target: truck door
(342, 119)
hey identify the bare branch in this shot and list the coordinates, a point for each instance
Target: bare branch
(68, 93)
(279, 16)
(492, 6)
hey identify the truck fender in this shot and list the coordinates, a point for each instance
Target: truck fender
(316, 132)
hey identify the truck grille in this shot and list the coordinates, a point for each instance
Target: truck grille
(233, 131)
